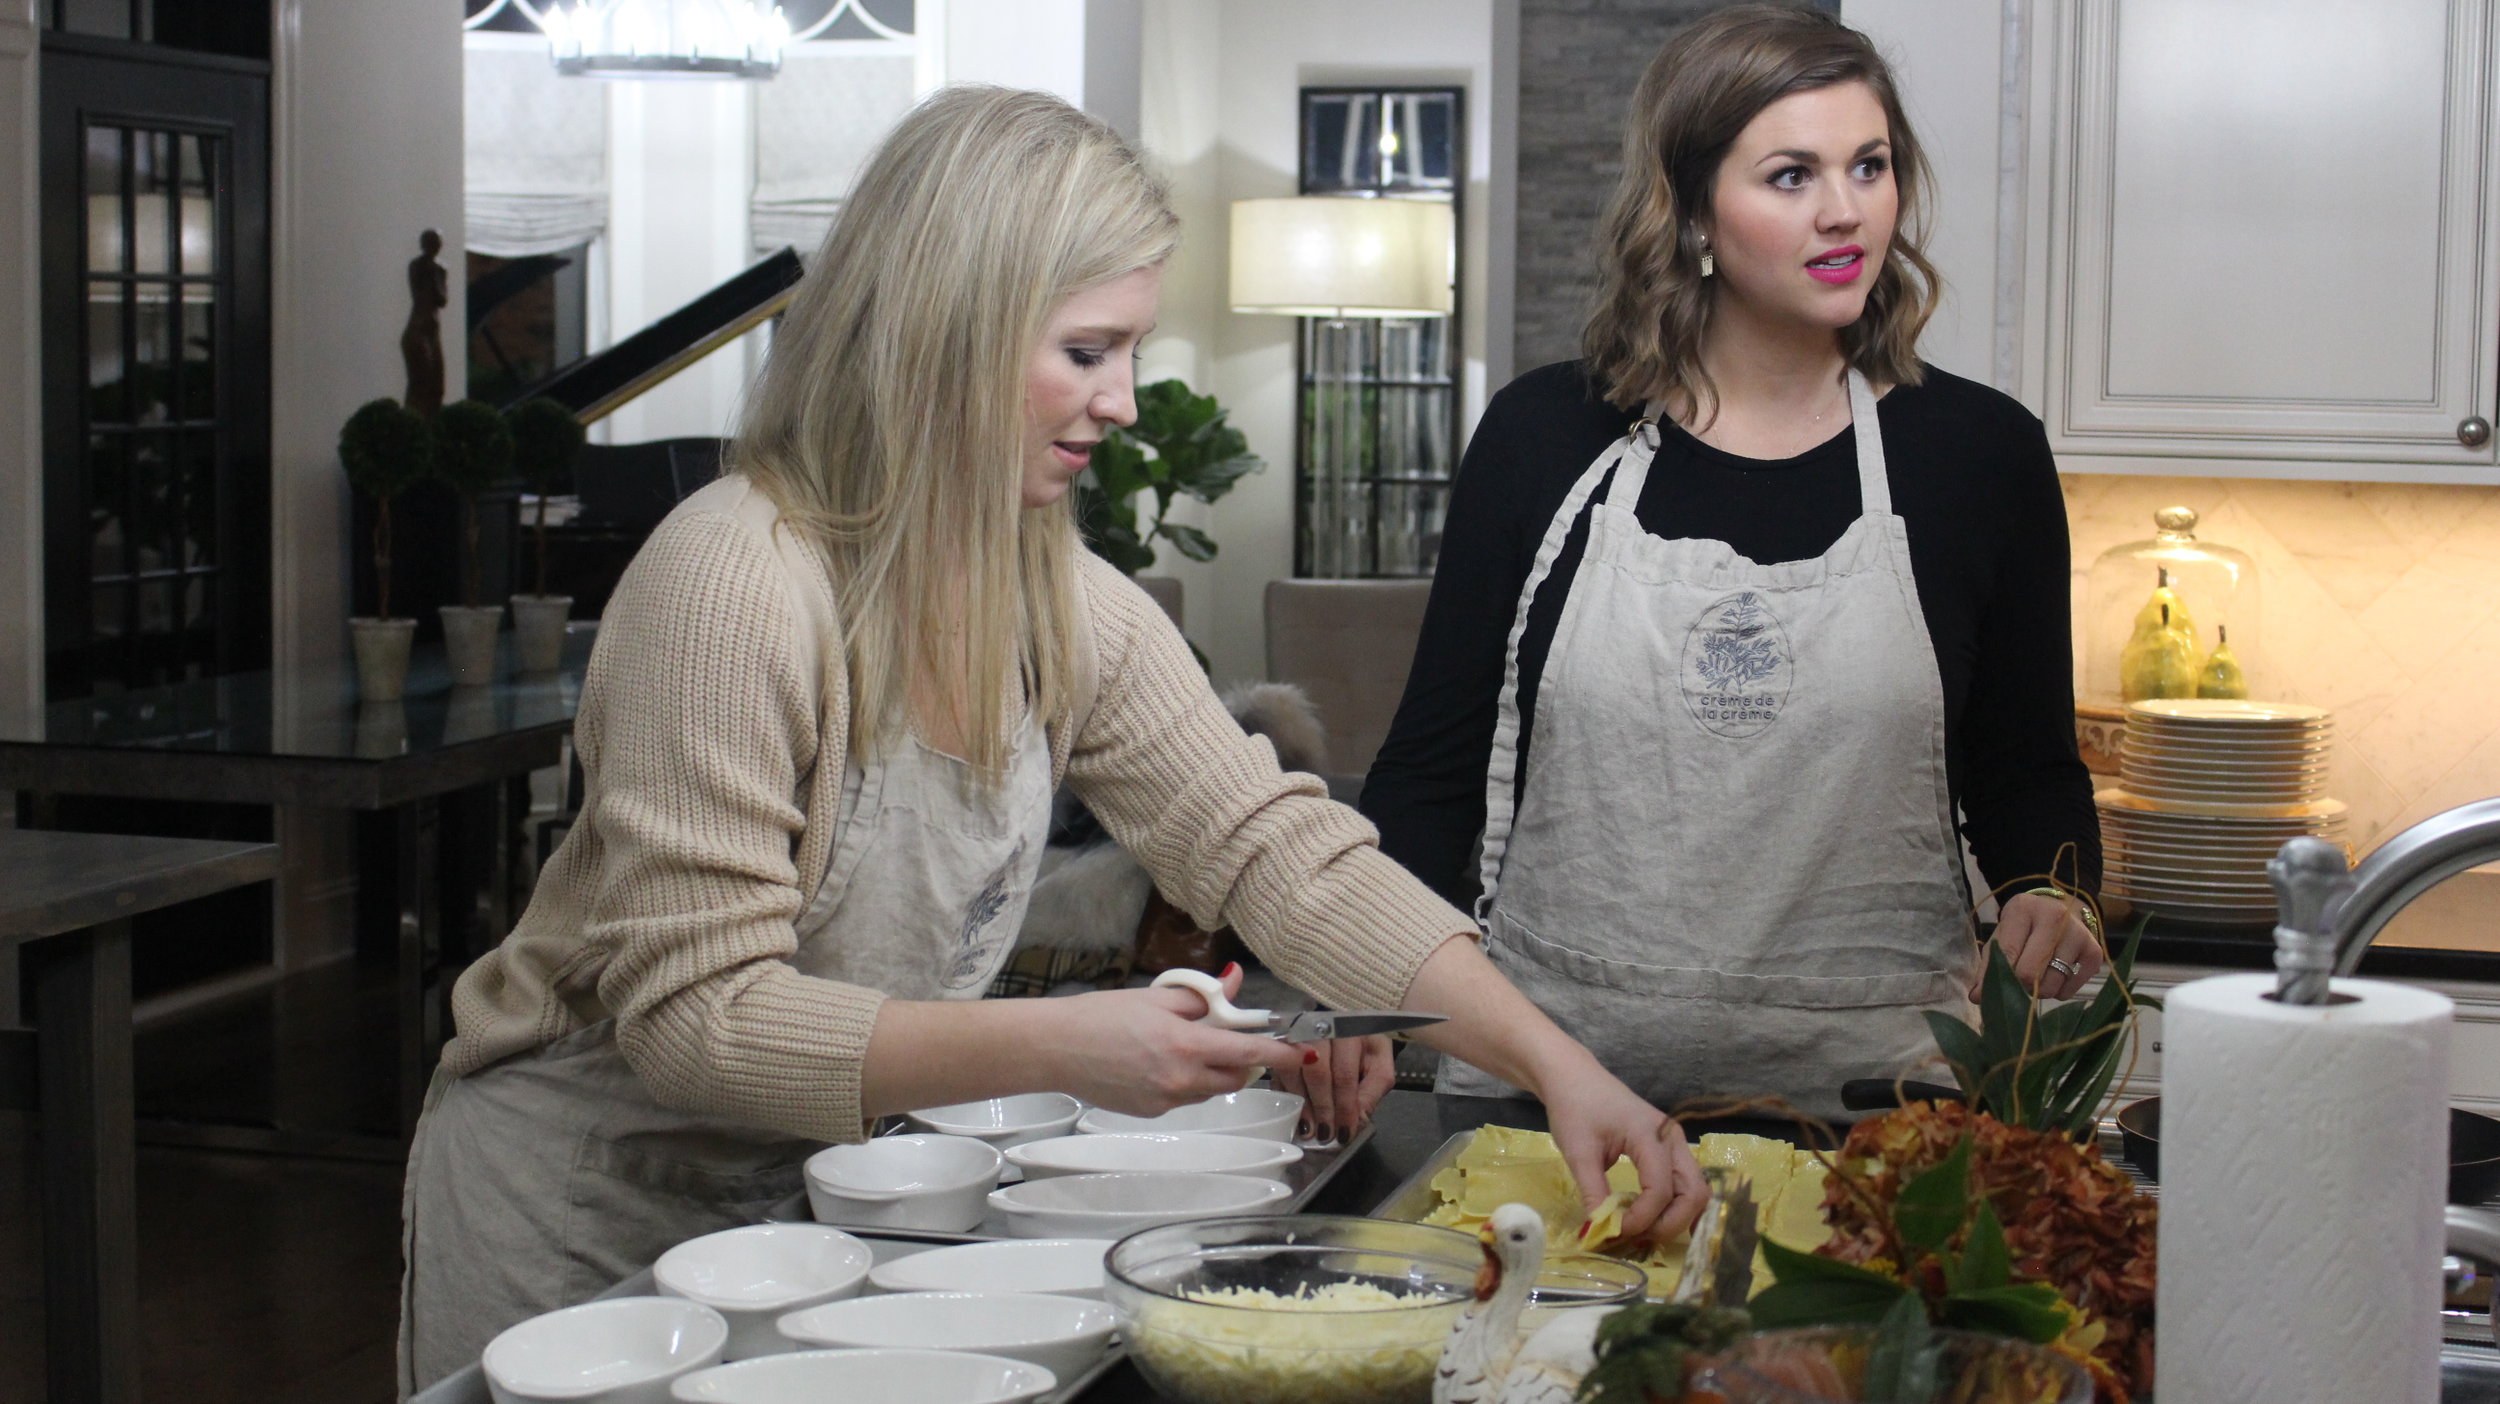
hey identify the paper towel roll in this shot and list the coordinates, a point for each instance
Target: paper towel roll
(2304, 1170)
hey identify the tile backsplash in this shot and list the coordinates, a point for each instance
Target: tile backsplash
(2380, 601)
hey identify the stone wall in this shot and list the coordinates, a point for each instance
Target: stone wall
(1579, 61)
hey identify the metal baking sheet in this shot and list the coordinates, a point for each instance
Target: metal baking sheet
(1414, 1197)
(469, 1385)
(1305, 1178)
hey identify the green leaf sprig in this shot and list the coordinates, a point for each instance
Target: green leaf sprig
(1643, 1350)
(1934, 1209)
(2043, 1068)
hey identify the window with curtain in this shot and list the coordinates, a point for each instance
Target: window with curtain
(537, 151)
(816, 124)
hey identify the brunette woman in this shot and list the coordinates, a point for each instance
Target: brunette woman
(1735, 612)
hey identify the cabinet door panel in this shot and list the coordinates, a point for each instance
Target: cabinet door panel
(2274, 229)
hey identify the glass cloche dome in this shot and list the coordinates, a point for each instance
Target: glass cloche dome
(2157, 610)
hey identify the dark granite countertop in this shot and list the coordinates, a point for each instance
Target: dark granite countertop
(2252, 948)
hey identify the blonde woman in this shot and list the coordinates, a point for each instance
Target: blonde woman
(830, 702)
(1736, 611)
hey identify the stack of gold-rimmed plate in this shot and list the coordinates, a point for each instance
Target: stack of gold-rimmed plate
(2208, 791)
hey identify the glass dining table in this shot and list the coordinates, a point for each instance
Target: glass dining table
(304, 737)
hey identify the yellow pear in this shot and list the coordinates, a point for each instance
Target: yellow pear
(2160, 661)
(2221, 675)
(2165, 601)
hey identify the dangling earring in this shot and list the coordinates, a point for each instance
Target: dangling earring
(1709, 264)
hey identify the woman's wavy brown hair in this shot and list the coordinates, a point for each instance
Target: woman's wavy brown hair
(1644, 341)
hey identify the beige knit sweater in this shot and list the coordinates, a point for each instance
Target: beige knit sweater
(714, 721)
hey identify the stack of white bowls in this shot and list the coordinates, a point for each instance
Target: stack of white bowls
(2208, 791)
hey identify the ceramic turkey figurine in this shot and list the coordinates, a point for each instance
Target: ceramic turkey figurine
(1484, 1361)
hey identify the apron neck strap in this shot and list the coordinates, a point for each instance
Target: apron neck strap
(1874, 485)
(1632, 466)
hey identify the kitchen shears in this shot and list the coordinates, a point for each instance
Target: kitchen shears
(1307, 1026)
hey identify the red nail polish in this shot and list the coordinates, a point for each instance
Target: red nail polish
(1231, 968)
(1309, 1056)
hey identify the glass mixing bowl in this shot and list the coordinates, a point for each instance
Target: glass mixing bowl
(1358, 1311)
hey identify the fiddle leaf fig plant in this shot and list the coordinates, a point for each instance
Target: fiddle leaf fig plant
(1180, 445)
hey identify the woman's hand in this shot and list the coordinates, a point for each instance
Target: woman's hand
(2034, 929)
(1342, 1079)
(1595, 1118)
(1145, 1052)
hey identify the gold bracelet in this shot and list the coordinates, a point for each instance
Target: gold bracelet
(2083, 906)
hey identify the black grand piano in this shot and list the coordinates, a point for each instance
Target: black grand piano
(624, 489)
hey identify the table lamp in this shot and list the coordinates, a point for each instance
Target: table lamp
(1338, 259)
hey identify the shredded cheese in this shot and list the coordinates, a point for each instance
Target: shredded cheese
(1341, 1343)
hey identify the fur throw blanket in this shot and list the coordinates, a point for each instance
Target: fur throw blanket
(1091, 893)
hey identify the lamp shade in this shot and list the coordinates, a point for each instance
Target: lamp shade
(1342, 256)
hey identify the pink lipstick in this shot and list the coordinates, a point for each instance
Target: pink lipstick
(1840, 265)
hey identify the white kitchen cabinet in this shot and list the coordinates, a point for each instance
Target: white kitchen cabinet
(2263, 237)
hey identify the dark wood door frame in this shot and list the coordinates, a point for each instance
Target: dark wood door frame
(90, 80)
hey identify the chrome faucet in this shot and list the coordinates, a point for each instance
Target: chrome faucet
(2330, 915)
(2409, 865)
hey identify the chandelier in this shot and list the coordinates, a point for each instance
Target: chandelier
(666, 38)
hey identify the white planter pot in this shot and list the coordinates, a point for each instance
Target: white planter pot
(382, 657)
(469, 638)
(381, 728)
(538, 631)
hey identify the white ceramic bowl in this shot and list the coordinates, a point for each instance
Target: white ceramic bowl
(820, 1376)
(1108, 1206)
(921, 1182)
(1064, 1335)
(1004, 1121)
(1113, 1151)
(1252, 1112)
(1068, 1267)
(625, 1350)
(755, 1275)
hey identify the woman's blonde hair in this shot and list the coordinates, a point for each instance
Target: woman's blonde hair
(1644, 341)
(889, 421)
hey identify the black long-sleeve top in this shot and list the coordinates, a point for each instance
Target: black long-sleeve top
(1973, 480)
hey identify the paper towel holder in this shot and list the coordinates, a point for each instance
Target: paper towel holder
(2311, 888)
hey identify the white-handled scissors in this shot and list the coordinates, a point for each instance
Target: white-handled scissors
(1312, 1026)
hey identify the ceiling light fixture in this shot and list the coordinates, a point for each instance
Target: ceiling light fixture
(666, 38)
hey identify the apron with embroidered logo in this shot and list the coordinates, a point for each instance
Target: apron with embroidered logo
(576, 1177)
(1732, 869)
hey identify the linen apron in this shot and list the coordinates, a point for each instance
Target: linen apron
(544, 1179)
(1733, 868)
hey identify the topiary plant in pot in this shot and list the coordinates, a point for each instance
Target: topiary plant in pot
(472, 454)
(385, 448)
(546, 440)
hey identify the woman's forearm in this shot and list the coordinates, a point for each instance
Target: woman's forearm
(934, 1053)
(1138, 1051)
(1491, 1024)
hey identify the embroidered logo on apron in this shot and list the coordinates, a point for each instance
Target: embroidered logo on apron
(1737, 665)
(985, 938)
